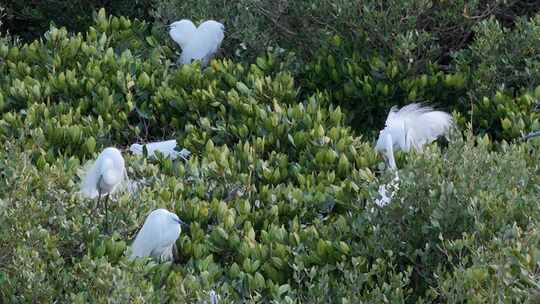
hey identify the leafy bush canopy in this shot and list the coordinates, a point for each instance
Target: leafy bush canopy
(280, 191)
(30, 19)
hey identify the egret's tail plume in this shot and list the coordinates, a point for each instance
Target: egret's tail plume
(90, 181)
(422, 125)
(532, 134)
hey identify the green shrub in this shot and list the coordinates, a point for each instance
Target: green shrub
(279, 193)
(501, 58)
(367, 84)
(506, 117)
(415, 29)
(505, 268)
(30, 19)
(492, 85)
(367, 57)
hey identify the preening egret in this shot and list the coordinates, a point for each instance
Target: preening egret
(197, 43)
(167, 148)
(412, 126)
(157, 236)
(104, 177)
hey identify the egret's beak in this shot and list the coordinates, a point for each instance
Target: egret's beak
(532, 134)
(182, 223)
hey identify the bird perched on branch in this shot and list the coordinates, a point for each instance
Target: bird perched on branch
(167, 148)
(104, 177)
(411, 127)
(157, 236)
(197, 43)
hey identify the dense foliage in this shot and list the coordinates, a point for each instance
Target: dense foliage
(421, 29)
(280, 191)
(30, 19)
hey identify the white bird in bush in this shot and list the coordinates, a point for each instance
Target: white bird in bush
(213, 297)
(197, 43)
(532, 134)
(104, 177)
(157, 236)
(413, 126)
(167, 148)
(182, 32)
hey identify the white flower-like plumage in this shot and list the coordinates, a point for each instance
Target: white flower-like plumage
(200, 43)
(411, 127)
(167, 148)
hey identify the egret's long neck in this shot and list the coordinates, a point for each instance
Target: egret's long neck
(389, 152)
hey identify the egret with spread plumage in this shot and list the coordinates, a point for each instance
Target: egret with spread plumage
(104, 177)
(197, 43)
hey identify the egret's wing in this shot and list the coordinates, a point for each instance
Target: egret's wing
(90, 180)
(425, 128)
(157, 234)
(167, 148)
(391, 116)
(214, 30)
(417, 125)
(163, 253)
(183, 32)
(198, 49)
(149, 237)
(398, 116)
(204, 44)
(184, 154)
(124, 184)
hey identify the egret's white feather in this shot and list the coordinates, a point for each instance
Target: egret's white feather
(200, 44)
(213, 297)
(167, 148)
(413, 126)
(387, 191)
(182, 32)
(106, 175)
(157, 236)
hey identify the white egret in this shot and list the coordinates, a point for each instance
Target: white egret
(157, 236)
(167, 148)
(104, 177)
(532, 134)
(197, 43)
(182, 32)
(412, 126)
(213, 297)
